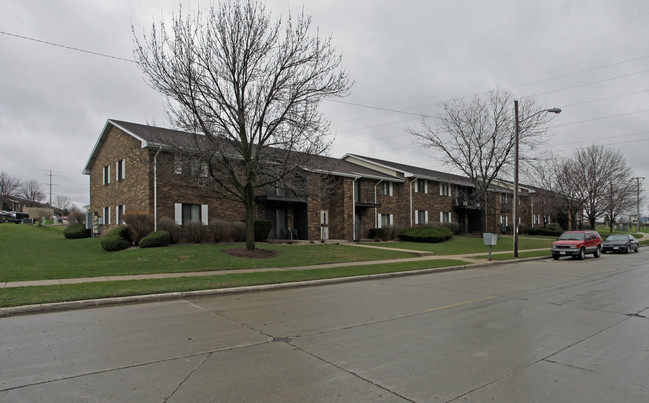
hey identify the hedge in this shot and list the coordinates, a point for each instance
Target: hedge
(155, 239)
(428, 234)
(116, 239)
(76, 231)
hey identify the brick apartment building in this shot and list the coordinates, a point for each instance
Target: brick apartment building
(134, 169)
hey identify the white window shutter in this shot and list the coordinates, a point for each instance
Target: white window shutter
(108, 173)
(426, 217)
(441, 186)
(391, 219)
(425, 186)
(379, 223)
(416, 216)
(391, 188)
(179, 213)
(450, 217)
(117, 217)
(117, 171)
(204, 217)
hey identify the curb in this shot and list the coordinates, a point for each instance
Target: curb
(136, 299)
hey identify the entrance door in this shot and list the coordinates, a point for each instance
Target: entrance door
(324, 225)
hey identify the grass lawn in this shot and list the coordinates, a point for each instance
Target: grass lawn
(41, 253)
(106, 289)
(466, 244)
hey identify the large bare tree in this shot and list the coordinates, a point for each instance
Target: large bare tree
(32, 192)
(595, 168)
(250, 86)
(477, 136)
(9, 187)
(619, 198)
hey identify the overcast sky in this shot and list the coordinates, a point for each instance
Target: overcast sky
(588, 57)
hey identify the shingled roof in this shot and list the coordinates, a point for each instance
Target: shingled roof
(158, 137)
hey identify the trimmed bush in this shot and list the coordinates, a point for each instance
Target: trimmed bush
(545, 231)
(139, 225)
(428, 234)
(76, 231)
(238, 232)
(221, 230)
(262, 229)
(116, 239)
(377, 233)
(196, 232)
(112, 243)
(453, 226)
(175, 231)
(155, 239)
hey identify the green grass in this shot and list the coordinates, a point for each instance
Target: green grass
(41, 253)
(105, 289)
(465, 244)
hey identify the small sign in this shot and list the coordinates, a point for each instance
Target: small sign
(490, 239)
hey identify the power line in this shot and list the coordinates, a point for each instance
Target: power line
(67, 47)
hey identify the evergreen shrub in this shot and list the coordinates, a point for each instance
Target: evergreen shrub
(428, 234)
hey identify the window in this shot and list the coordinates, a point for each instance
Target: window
(386, 220)
(178, 164)
(444, 217)
(421, 186)
(106, 216)
(385, 189)
(106, 174)
(190, 167)
(421, 217)
(503, 219)
(119, 214)
(503, 198)
(444, 189)
(186, 213)
(537, 219)
(120, 170)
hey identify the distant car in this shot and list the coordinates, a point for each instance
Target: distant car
(17, 216)
(5, 216)
(623, 243)
(577, 244)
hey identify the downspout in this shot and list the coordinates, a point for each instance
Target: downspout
(354, 208)
(155, 190)
(376, 210)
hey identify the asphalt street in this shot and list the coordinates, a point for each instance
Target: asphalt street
(560, 331)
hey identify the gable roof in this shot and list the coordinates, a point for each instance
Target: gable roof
(158, 137)
(411, 171)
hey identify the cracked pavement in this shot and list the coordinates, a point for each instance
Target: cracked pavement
(532, 331)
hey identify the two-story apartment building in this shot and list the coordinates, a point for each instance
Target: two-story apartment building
(136, 169)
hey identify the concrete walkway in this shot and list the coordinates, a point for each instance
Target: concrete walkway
(470, 258)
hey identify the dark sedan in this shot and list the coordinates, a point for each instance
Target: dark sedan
(623, 243)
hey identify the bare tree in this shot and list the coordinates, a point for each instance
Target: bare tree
(32, 192)
(619, 198)
(250, 87)
(596, 167)
(62, 202)
(9, 187)
(477, 136)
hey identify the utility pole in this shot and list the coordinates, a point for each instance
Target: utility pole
(50, 173)
(637, 184)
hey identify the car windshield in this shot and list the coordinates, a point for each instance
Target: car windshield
(617, 238)
(572, 236)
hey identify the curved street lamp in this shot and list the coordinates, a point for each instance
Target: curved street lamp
(515, 207)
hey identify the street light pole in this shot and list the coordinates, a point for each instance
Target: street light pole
(637, 183)
(515, 201)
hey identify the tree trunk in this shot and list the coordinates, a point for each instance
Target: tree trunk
(250, 217)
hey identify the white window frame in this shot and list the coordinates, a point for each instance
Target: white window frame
(425, 181)
(425, 217)
(390, 220)
(386, 186)
(121, 163)
(178, 213)
(444, 189)
(106, 216)
(106, 175)
(119, 218)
